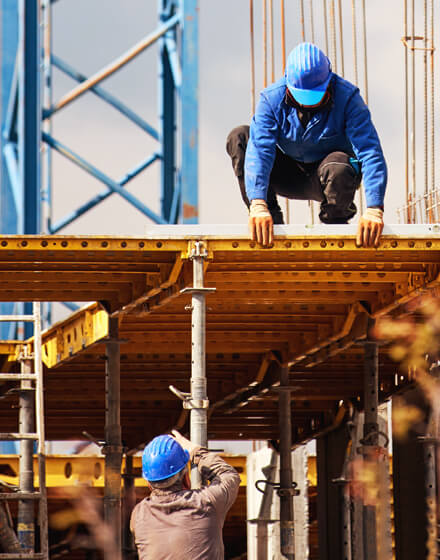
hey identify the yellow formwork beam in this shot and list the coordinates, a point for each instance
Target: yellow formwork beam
(72, 470)
(10, 348)
(79, 332)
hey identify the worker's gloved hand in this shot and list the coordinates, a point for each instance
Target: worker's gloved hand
(370, 228)
(260, 222)
(184, 442)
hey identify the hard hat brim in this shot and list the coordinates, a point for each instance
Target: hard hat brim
(310, 96)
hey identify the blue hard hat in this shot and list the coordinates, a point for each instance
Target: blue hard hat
(162, 458)
(308, 73)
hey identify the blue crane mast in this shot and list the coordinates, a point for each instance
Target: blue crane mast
(27, 109)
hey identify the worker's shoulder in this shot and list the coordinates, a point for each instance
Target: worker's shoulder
(344, 88)
(138, 507)
(275, 90)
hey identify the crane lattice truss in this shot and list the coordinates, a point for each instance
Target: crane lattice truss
(29, 108)
(28, 111)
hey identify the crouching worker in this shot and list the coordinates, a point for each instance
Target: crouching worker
(175, 522)
(311, 138)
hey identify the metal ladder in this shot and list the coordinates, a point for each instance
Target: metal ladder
(30, 382)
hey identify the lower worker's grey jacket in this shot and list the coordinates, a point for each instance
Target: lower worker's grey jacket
(178, 524)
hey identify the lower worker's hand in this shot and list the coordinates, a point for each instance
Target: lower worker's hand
(370, 228)
(184, 442)
(260, 222)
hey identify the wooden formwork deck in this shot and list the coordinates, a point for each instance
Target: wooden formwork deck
(306, 300)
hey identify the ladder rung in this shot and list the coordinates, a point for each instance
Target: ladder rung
(18, 556)
(20, 495)
(17, 376)
(11, 318)
(18, 437)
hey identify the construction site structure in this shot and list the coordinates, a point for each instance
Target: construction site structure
(287, 328)
(259, 343)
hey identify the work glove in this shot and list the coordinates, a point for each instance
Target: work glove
(370, 228)
(260, 222)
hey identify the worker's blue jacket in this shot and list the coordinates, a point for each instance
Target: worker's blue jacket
(345, 126)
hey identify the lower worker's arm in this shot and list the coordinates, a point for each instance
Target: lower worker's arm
(224, 479)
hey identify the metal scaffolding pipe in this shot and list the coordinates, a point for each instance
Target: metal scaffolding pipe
(371, 438)
(431, 497)
(199, 398)
(113, 445)
(25, 518)
(287, 542)
(128, 505)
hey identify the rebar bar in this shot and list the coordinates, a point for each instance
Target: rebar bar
(354, 34)
(264, 43)
(302, 20)
(283, 58)
(312, 22)
(341, 37)
(271, 43)
(425, 98)
(324, 9)
(364, 33)
(406, 121)
(333, 35)
(252, 48)
(433, 151)
(413, 100)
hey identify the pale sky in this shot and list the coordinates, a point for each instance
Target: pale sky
(90, 34)
(105, 138)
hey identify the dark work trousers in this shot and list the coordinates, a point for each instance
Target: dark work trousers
(332, 181)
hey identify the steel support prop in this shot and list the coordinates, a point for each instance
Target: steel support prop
(128, 505)
(113, 446)
(25, 520)
(199, 398)
(286, 491)
(430, 447)
(376, 523)
(371, 439)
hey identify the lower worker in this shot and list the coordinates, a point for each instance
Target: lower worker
(311, 138)
(175, 522)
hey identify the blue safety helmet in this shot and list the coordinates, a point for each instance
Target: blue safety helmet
(308, 73)
(162, 458)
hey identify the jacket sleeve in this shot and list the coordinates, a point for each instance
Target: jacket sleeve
(224, 480)
(260, 151)
(366, 146)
